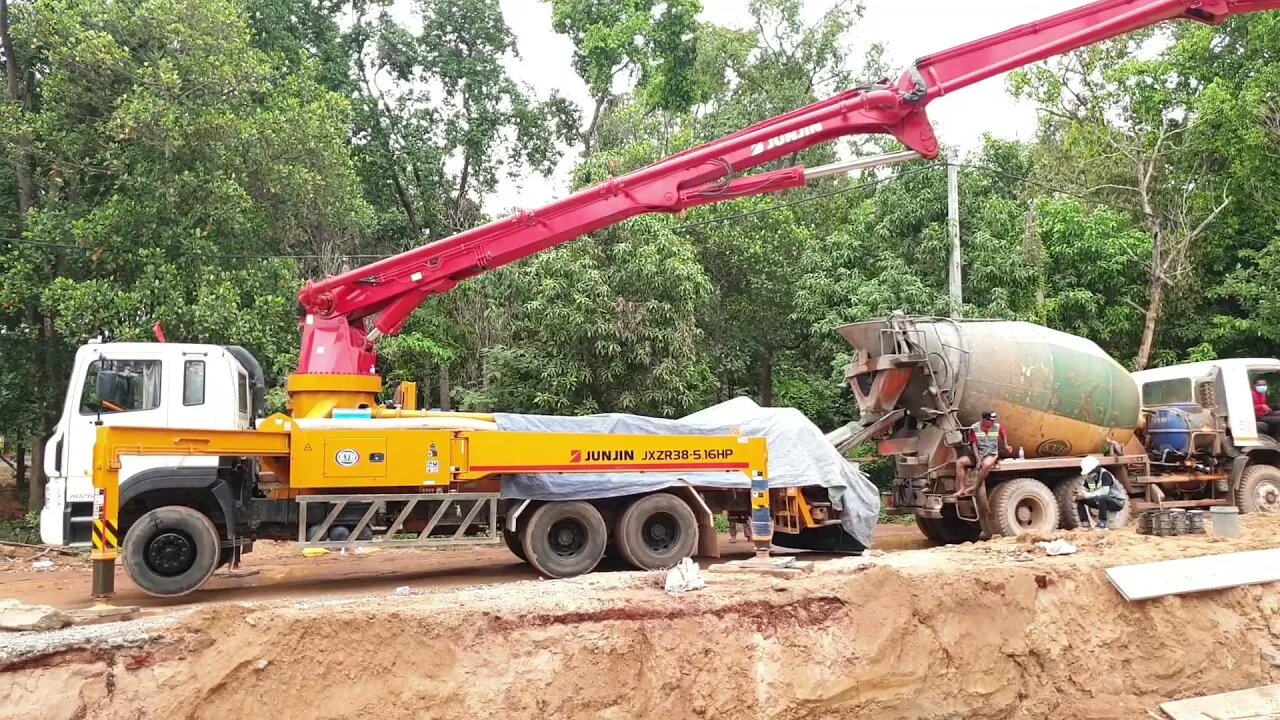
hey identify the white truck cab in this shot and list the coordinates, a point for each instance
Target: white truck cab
(140, 385)
(1230, 380)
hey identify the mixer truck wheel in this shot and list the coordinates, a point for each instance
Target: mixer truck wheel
(955, 530)
(563, 539)
(656, 532)
(1065, 493)
(929, 528)
(171, 550)
(1023, 505)
(1259, 489)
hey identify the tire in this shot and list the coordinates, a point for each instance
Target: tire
(656, 531)
(1023, 505)
(955, 530)
(929, 528)
(339, 533)
(171, 551)
(512, 540)
(1064, 493)
(1259, 490)
(563, 539)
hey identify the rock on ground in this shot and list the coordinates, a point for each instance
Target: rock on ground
(16, 616)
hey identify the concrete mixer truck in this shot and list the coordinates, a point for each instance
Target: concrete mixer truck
(1176, 437)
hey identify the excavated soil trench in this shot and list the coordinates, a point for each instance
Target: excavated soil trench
(994, 630)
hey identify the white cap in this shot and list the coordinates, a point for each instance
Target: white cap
(1088, 464)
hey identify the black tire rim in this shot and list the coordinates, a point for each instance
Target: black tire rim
(567, 538)
(171, 553)
(660, 532)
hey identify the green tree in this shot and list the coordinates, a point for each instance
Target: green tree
(164, 149)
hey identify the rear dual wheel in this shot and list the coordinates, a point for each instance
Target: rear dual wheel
(950, 529)
(656, 532)
(563, 539)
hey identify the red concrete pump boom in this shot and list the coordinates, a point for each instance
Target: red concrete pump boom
(336, 335)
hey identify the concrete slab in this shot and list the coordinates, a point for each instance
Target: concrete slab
(104, 614)
(238, 573)
(1253, 703)
(792, 569)
(1198, 574)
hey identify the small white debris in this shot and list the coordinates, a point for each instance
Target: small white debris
(404, 590)
(42, 565)
(685, 577)
(261, 665)
(1057, 547)
(872, 553)
(251, 621)
(1271, 657)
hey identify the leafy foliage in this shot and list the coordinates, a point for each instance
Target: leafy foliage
(162, 156)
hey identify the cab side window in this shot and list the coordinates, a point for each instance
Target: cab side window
(193, 382)
(114, 386)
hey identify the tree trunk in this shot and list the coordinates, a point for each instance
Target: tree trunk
(589, 136)
(766, 379)
(23, 160)
(35, 500)
(446, 402)
(20, 466)
(1155, 291)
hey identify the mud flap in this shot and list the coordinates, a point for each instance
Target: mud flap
(708, 542)
(828, 538)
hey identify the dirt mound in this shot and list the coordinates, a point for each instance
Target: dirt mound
(995, 630)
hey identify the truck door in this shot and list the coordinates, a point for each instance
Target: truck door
(112, 391)
(1239, 405)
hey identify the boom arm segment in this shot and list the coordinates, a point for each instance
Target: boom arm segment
(335, 339)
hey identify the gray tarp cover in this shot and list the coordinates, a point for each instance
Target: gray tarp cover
(799, 454)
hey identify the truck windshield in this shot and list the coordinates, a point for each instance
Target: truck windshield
(1167, 392)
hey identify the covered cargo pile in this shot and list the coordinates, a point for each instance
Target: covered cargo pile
(799, 455)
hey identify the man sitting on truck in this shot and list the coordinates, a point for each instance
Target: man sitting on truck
(988, 440)
(1101, 491)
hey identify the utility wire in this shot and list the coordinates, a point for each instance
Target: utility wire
(1026, 180)
(685, 226)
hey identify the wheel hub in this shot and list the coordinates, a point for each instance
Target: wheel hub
(1267, 495)
(660, 532)
(1028, 513)
(171, 553)
(568, 538)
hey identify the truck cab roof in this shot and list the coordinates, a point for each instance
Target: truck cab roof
(1200, 369)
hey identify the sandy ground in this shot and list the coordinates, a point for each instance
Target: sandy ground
(988, 631)
(283, 573)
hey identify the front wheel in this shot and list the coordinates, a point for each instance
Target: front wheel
(171, 551)
(1259, 490)
(563, 539)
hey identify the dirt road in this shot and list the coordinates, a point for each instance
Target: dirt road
(989, 631)
(282, 572)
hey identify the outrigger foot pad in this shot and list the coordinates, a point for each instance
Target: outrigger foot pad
(104, 578)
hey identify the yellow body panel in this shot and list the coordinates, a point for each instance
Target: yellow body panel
(317, 396)
(370, 457)
(365, 456)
